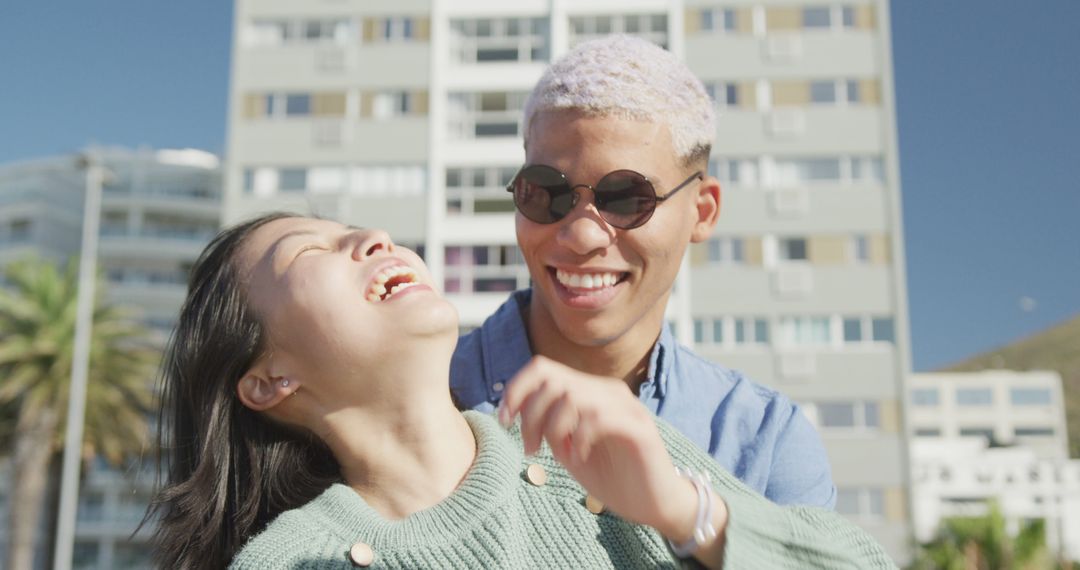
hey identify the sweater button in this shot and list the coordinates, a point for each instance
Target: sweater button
(361, 555)
(593, 504)
(536, 474)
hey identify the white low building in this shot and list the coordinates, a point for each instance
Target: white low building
(958, 478)
(993, 436)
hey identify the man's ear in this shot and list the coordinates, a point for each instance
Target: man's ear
(708, 209)
(260, 391)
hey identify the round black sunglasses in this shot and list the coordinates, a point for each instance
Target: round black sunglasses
(624, 198)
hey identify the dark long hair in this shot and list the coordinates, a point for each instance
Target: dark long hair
(228, 471)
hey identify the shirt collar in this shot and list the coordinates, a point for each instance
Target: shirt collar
(505, 342)
(661, 361)
(506, 347)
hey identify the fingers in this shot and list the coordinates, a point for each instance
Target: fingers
(560, 424)
(520, 387)
(534, 412)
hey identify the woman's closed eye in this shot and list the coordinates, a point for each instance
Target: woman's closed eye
(310, 247)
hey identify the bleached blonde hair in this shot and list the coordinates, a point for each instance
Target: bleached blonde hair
(628, 77)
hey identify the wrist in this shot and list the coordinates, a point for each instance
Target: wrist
(678, 523)
(703, 531)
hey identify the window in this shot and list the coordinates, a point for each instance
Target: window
(851, 88)
(500, 39)
(723, 93)
(883, 329)
(1030, 396)
(860, 248)
(650, 27)
(249, 181)
(802, 170)
(91, 506)
(699, 331)
(974, 397)
(297, 105)
(20, 230)
(823, 92)
(847, 501)
(847, 16)
(735, 172)
(927, 432)
(817, 17)
(718, 331)
(1034, 432)
(856, 415)
(721, 19)
(398, 180)
(805, 331)
(750, 330)
(292, 179)
(860, 501)
(396, 29)
(983, 432)
(868, 169)
(479, 190)
(85, 554)
(871, 415)
(484, 269)
(391, 104)
(262, 32)
(485, 114)
(925, 397)
(726, 250)
(793, 249)
(836, 415)
(853, 330)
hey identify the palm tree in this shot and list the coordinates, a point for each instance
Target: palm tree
(37, 331)
(982, 543)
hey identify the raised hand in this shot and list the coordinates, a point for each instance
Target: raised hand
(606, 439)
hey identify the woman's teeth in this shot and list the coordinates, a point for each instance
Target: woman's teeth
(390, 281)
(586, 280)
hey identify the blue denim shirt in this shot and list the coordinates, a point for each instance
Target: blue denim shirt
(754, 432)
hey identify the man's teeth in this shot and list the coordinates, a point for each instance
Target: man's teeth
(586, 280)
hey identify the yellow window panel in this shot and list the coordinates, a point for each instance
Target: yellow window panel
(783, 18)
(828, 250)
(790, 93)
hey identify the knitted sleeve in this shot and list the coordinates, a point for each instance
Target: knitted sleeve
(761, 534)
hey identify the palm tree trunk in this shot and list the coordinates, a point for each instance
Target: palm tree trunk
(33, 450)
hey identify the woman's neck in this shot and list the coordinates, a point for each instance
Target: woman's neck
(407, 453)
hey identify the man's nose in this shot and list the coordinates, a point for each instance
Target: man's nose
(584, 230)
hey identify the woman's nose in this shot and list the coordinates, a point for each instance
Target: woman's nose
(370, 243)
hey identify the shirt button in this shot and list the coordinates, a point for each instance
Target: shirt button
(536, 474)
(498, 386)
(593, 504)
(361, 554)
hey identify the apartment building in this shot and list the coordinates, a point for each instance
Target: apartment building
(996, 435)
(407, 115)
(159, 209)
(1001, 407)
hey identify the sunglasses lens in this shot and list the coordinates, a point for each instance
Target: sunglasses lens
(542, 195)
(625, 199)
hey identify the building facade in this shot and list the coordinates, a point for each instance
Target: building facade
(406, 115)
(999, 436)
(159, 209)
(1001, 407)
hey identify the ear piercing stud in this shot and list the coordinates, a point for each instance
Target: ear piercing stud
(285, 383)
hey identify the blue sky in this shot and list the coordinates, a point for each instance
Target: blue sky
(987, 94)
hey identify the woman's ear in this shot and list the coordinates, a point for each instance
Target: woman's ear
(260, 391)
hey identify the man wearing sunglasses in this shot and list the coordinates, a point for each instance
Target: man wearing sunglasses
(613, 190)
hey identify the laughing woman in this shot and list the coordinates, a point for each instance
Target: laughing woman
(308, 423)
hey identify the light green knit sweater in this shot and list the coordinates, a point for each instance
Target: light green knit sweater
(497, 519)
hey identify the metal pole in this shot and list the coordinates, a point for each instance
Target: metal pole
(80, 366)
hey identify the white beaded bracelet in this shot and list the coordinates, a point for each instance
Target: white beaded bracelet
(703, 528)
